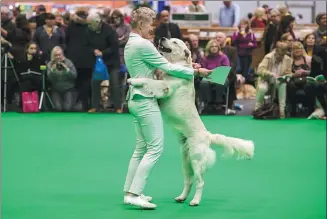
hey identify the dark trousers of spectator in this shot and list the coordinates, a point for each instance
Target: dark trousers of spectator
(231, 95)
(245, 64)
(63, 100)
(83, 86)
(321, 94)
(309, 90)
(96, 94)
(115, 87)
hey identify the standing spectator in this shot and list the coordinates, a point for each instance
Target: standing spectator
(60, 23)
(283, 10)
(196, 7)
(270, 31)
(229, 15)
(245, 42)
(20, 37)
(62, 75)
(258, 20)
(286, 25)
(309, 42)
(48, 36)
(7, 26)
(102, 41)
(166, 28)
(321, 32)
(123, 30)
(41, 14)
(76, 34)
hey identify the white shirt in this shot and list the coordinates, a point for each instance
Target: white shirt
(142, 58)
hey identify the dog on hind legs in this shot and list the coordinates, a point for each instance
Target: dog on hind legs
(177, 104)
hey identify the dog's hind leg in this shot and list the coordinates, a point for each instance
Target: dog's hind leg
(187, 172)
(198, 169)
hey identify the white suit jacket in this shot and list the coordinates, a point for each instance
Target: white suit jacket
(142, 58)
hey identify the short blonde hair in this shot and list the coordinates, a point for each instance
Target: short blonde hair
(208, 46)
(142, 14)
(259, 12)
(298, 45)
(54, 50)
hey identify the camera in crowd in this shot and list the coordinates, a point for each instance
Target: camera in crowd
(5, 46)
(59, 66)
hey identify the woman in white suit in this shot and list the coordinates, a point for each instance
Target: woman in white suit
(142, 58)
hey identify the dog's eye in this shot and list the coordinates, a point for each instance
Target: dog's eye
(175, 42)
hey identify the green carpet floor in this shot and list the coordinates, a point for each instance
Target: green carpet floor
(73, 166)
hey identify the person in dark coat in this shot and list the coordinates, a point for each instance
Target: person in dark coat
(76, 51)
(102, 40)
(271, 29)
(166, 29)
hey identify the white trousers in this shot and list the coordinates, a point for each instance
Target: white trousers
(149, 142)
(263, 88)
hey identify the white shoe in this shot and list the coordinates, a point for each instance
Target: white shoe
(148, 198)
(139, 201)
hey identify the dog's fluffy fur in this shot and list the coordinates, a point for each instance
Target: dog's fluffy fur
(244, 91)
(177, 105)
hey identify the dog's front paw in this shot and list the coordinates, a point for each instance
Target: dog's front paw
(194, 203)
(180, 199)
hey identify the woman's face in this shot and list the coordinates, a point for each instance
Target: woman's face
(146, 29)
(116, 19)
(31, 50)
(298, 52)
(310, 41)
(243, 26)
(214, 48)
(58, 56)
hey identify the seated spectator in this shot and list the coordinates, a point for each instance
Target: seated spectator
(301, 68)
(321, 32)
(31, 61)
(232, 56)
(309, 42)
(274, 65)
(214, 58)
(245, 41)
(319, 67)
(197, 52)
(288, 39)
(195, 7)
(62, 75)
(258, 20)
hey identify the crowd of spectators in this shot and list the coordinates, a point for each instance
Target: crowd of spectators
(69, 45)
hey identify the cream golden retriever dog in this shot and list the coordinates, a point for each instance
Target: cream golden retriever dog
(177, 104)
(244, 91)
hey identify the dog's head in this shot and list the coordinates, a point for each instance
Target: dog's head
(240, 80)
(175, 51)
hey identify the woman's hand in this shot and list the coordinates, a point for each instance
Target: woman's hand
(97, 52)
(203, 72)
(196, 65)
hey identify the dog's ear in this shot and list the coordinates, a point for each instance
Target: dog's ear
(188, 57)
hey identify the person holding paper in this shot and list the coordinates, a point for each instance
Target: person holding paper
(142, 58)
(214, 58)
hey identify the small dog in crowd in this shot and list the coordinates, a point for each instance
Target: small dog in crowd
(244, 91)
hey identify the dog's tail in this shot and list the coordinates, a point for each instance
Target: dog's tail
(243, 149)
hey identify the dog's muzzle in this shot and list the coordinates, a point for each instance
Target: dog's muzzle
(162, 48)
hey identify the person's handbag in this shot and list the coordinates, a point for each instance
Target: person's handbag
(100, 72)
(30, 102)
